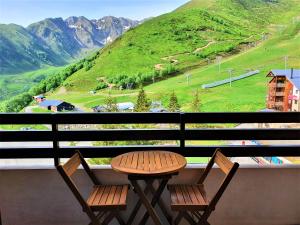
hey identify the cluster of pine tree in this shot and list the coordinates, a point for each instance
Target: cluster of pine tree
(143, 103)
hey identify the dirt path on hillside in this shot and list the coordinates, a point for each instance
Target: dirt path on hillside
(204, 47)
(172, 59)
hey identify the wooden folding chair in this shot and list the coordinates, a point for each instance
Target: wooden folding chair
(105, 201)
(190, 200)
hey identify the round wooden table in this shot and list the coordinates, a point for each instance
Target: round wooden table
(149, 166)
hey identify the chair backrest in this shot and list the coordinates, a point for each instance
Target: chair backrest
(227, 167)
(69, 168)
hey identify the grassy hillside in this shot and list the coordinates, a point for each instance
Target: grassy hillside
(21, 51)
(12, 85)
(181, 40)
(245, 95)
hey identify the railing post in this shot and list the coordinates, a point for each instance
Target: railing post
(55, 144)
(182, 131)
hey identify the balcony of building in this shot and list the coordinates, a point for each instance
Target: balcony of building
(34, 194)
(277, 85)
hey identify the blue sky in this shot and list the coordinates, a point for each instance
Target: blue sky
(24, 12)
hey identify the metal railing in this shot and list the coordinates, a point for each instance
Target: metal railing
(180, 134)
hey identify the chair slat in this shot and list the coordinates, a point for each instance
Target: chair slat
(108, 197)
(72, 164)
(223, 162)
(111, 195)
(117, 195)
(123, 195)
(97, 199)
(187, 197)
(179, 194)
(192, 194)
(104, 195)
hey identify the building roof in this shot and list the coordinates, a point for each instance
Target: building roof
(157, 110)
(292, 75)
(48, 103)
(39, 96)
(121, 106)
(268, 110)
(125, 106)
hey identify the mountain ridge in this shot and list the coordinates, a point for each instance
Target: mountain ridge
(55, 41)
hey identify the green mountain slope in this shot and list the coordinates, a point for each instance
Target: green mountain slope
(244, 95)
(183, 39)
(21, 51)
(55, 41)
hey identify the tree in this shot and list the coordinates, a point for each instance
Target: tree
(111, 104)
(196, 102)
(173, 103)
(142, 103)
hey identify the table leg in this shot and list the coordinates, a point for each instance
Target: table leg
(162, 206)
(139, 202)
(155, 199)
(145, 201)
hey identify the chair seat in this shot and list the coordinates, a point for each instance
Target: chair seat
(108, 197)
(188, 197)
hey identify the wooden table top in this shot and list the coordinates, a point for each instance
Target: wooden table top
(148, 163)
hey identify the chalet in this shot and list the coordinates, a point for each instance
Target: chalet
(39, 98)
(99, 108)
(157, 107)
(122, 107)
(125, 107)
(283, 94)
(56, 105)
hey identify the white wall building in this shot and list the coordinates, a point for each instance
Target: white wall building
(296, 100)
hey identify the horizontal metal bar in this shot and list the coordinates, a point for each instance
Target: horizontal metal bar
(99, 135)
(152, 134)
(188, 151)
(88, 118)
(139, 118)
(26, 136)
(242, 134)
(26, 153)
(243, 117)
(26, 118)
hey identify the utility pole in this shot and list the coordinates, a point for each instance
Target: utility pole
(286, 58)
(230, 75)
(188, 76)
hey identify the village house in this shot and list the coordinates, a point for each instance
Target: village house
(157, 107)
(56, 105)
(39, 98)
(122, 107)
(283, 93)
